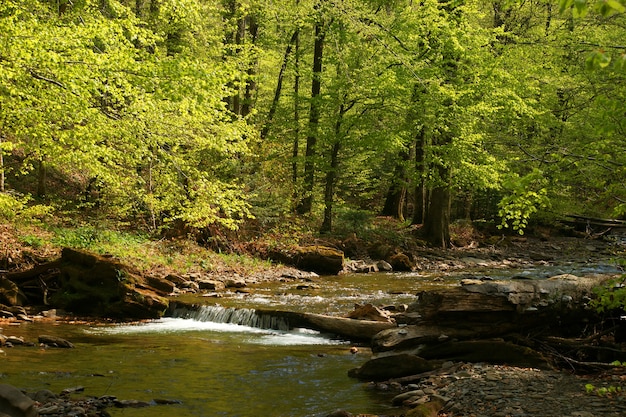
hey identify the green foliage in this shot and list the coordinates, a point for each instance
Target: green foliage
(99, 240)
(19, 209)
(611, 296)
(605, 8)
(603, 391)
(526, 195)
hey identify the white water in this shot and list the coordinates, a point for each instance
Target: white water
(253, 333)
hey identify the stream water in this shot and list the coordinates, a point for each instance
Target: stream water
(224, 369)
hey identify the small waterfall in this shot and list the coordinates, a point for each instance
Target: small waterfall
(241, 316)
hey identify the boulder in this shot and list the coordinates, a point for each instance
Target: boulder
(394, 366)
(14, 403)
(401, 262)
(55, 341)
(319, 259)
(94, 285)
(9, 292)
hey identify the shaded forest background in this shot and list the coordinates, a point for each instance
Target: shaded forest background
(188, 116)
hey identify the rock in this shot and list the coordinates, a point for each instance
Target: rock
(319, 259)
(360, 267)
(14, 340)
(95, 285)
(210, 285)
(388, 367)
(384, 266)
(14, 403)
(161, 286)
(493, 351)
(401, 262)
(369, 312)
(235, 283)
(429, 409)
(9, 292)
(44, 396)
(55, 341)
(131, 404)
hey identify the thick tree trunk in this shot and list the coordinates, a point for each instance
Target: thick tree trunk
(437, 223)
(396, 196)
(306, 202)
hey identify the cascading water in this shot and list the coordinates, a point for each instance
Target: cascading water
(239, 316)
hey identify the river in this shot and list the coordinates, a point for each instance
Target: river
(226, 369)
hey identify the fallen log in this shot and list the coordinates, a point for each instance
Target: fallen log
(352, 329)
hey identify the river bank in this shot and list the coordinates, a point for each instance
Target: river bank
(475, 394)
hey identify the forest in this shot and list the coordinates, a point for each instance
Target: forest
(174, 115)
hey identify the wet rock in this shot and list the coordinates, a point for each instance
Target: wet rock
(44, 396)
(55, 341)
(360, 267)
(401, 262)
(388, 367)
(210, 285)
(369, 312)
(319, 259)
(131, 404)
(14, 403)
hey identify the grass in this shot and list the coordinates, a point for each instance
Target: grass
(142, 251)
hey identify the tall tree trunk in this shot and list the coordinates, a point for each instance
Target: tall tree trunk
(437, 223)
(419, 199)
(329, 190)
(247, 105)
(306, 201)
(279, 85)
(41, 179)
(331, 175)
(396, 195)
(296, 115)
(2, 189)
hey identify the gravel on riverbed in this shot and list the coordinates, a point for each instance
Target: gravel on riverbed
(485, 390)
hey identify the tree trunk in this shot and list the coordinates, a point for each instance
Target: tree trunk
(1, 164)
(419, 199)
(437, 223)
(296, 115)
(246, 106)
(279, 86)
(396, 196)
(331, 175)
(306, 202)
(41, 179)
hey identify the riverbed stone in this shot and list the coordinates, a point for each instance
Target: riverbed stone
(14, 403)
(393, 366)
